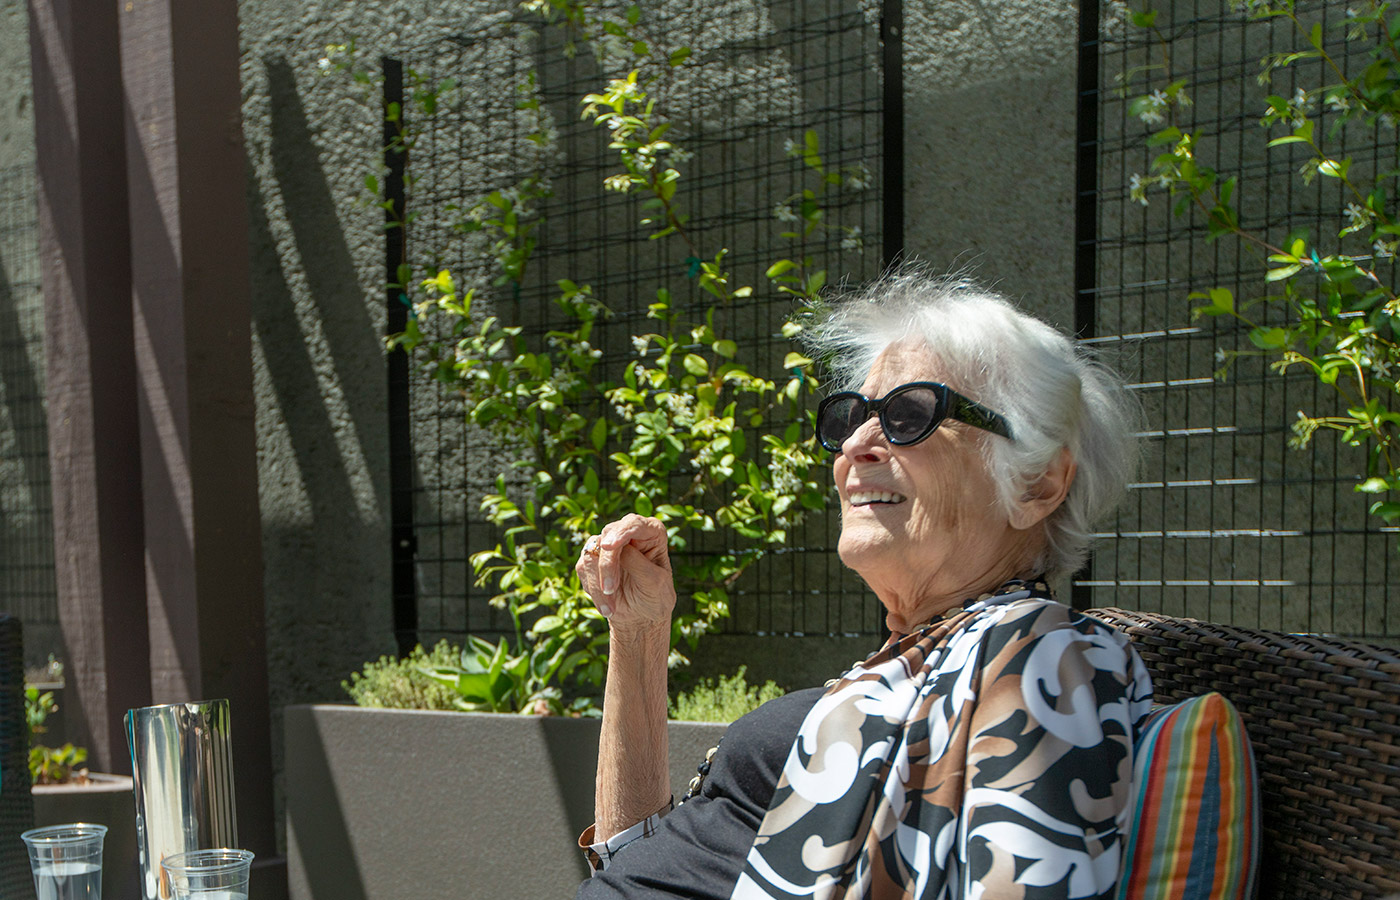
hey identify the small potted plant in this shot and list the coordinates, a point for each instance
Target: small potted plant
(65, 791)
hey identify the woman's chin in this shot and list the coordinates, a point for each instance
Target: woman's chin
(866, 549)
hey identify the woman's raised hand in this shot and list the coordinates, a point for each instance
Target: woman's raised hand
(627, 572)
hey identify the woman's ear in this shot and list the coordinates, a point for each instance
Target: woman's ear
(1045, 496)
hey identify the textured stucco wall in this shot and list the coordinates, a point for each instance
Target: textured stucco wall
(989, 144)
(16, 99)
(317, 276)
(25, 526)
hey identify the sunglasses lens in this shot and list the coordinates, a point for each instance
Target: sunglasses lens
(840, 419)
(909, 416)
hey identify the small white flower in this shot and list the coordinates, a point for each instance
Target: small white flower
(679, 155)
(640, 344)
(783, 213)
(1383, 249)
(1339, 102)
(852, 240)
(1387, 120)
(619, 183)
(790, 147)
(1154, 108)
(325, 64)
(858, 178)
(1137, 188)
(1220, 355)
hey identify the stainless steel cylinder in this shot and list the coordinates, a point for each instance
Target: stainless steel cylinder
(182, 766)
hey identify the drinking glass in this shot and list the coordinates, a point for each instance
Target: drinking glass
(66, 861)
(208, 874)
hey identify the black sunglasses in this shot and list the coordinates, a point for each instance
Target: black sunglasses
(908, 414)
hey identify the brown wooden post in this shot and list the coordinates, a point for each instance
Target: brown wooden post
(94, 452)
(193, 338)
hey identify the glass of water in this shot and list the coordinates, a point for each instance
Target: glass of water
(66, 861)
(208, 874)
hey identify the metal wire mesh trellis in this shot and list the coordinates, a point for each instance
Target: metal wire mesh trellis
(1227, 524)
(759, 77)
(26, 527)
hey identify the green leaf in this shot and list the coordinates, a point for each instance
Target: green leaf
(795, 361)
(547, 624)
(725, 348)
(696, 365)
(1373, 486)
(679, 55)
(599, 435)
(1269, 338)
(780, 267)
(1334, 169)
(1282, 272)
(1144, 18)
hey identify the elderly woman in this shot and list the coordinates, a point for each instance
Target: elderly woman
(985, 751)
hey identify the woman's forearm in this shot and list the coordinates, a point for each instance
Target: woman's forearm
(633, 771)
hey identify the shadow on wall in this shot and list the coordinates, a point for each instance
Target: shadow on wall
(326, 538)
(26, 525)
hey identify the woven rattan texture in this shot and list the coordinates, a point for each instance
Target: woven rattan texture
(1324, 718)
(16, 804)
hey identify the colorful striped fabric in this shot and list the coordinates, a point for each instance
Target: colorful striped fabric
(1194, 833)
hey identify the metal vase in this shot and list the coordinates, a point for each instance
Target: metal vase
(182, 768)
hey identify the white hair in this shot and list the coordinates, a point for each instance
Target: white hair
(1050, 391)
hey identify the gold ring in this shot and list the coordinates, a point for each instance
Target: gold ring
(590, 546)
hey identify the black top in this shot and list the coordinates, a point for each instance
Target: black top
(699, 849)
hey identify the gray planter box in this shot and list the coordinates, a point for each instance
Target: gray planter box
(107, 800)
(391, 804)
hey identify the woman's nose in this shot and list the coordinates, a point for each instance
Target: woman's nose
(867, 443)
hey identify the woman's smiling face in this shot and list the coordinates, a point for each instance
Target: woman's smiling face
(921, 523)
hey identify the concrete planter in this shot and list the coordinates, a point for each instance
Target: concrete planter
(389, 804)
(106, 800)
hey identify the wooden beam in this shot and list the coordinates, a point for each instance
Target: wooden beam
(193, 339)
(94, 453)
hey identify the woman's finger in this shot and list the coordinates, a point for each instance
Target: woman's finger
(587, 569)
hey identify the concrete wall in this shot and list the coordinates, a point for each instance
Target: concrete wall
(989, 144)
(390, 804)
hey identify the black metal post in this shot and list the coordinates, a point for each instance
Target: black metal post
(404, 544)
(1086, 209)
(892, 41)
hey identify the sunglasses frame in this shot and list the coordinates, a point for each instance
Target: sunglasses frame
(951, 405)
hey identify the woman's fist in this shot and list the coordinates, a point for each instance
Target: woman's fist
(627, 571)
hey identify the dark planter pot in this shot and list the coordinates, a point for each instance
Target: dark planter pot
(389, 804)
(106, 800)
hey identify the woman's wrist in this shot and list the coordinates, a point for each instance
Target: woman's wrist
(639, 636)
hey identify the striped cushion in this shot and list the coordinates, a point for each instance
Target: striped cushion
(1194, 833)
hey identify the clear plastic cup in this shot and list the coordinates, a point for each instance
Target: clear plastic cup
(208, 874)
(66, 861)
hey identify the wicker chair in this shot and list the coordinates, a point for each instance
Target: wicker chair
(16, 804)
(1324, 718)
